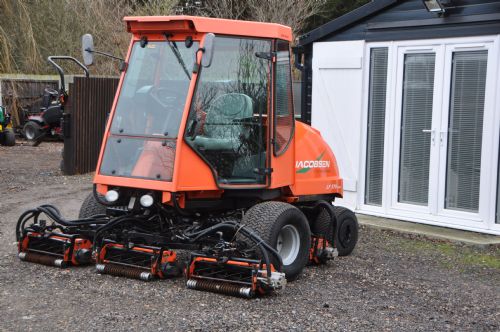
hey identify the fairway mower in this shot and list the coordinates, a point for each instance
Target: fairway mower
(203, 171)
(47, 122)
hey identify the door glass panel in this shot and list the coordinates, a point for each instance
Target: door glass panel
(418, 91)
(376, 126)
(227, 121)
(283, 102)
(465, 130)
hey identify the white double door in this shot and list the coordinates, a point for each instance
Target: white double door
(444, 166)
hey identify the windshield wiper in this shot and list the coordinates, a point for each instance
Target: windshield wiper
(177, 53)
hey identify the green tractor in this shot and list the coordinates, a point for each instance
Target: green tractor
(7, 136)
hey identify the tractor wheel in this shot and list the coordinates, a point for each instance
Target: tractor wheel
(32, 130)
(90, 207)
(8, 138)
(322, 223)
(346, 235)
(285, 228)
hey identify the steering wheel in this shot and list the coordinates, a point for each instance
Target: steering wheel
(50, 91)
(165, 96)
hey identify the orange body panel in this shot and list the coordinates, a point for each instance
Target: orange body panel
(316, 170)
(160, 24)
(283, 172)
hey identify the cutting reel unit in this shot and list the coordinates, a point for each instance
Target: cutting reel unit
(62, 243)
(233, 276)
(144, 247)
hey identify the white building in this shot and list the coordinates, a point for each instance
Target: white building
(409, 100)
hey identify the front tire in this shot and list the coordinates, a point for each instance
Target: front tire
(8, 137)
(90, 207)
(285, 228)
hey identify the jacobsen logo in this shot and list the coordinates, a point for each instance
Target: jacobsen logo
(305, 166)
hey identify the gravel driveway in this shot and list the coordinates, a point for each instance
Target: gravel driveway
(390, 282)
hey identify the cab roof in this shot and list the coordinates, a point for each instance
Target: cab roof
(159, 24)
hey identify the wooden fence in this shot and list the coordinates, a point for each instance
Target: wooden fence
(86, 113)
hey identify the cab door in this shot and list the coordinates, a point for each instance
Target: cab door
(283, 144)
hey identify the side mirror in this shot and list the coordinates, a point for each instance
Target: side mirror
(209, 46)
(88, 49)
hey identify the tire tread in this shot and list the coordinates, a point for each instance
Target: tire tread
(90, 207)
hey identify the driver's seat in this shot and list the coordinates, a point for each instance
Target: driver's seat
(222, 130)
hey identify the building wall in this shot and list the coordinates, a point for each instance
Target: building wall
(337, 95)
(340, 92)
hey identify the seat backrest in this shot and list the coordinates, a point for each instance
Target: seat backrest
(222, 113)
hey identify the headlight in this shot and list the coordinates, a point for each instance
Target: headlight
(146, 200)
(112, 196)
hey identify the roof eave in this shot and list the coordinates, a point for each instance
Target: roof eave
(345, 20)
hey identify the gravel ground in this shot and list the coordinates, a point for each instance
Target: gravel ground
(390, 282)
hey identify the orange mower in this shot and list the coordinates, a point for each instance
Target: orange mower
(203, 170)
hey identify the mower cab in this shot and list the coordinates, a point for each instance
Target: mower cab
(206, 105)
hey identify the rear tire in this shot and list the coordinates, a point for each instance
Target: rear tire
(32, 131)
(346, 235)
(285, 228)
(321, 225)
(8, 138)
(90, 207)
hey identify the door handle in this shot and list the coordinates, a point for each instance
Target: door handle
(430, 131)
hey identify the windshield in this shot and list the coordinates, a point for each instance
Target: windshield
(148, 114)
(154, 91)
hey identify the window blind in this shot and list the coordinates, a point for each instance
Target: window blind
(376, 126)
(465, 130)
(418, 93)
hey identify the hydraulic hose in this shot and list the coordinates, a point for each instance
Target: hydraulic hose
(264, 247)
(53, 213)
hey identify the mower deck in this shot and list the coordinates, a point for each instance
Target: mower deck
(216, 265)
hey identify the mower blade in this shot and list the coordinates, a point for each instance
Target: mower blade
(55, 249)
(138, 262)
(233, 276)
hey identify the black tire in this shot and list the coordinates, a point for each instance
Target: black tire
(268, 219)
(321, 225)
(8, 138)
(32, 131)
(346, 234)
(90, 207)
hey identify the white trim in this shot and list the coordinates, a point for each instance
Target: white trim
(495, 144)
(430, 222)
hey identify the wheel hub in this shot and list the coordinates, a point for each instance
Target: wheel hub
(30, 134)
(288, 244)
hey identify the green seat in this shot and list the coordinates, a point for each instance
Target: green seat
(223, 127)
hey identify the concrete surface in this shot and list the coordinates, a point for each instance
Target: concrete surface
(433, 232)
